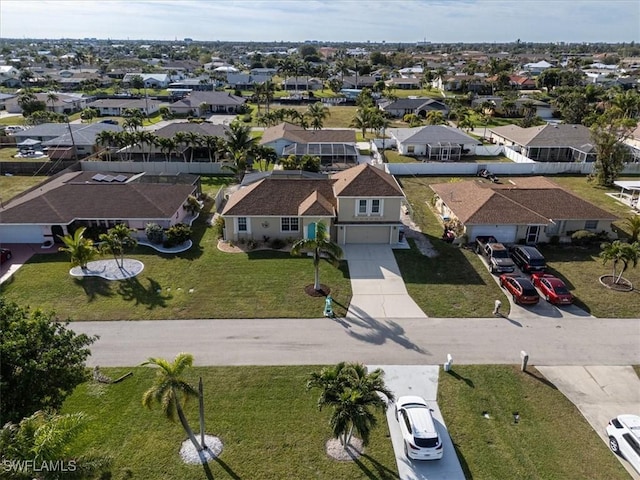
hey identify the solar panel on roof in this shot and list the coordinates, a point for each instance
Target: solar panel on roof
(98, 177)
(120, 178)
(108, 178)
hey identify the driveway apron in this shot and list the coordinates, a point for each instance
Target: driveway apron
(377, 285)
(600, 393)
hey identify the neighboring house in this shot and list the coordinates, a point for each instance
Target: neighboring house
(418, 106)
(543, 109)
(203, 103)
(402, 83)
(332, 146)
(201, 84)
(59, 142)
(359, 82)
(547, 143)
(246, 81)
(358, 205)
(440, 143)
(65, 103)
(71, 200)
(537, 67)
(151, 80)
(633, 142)
(116, 106)
(527, 209)
(4, 98)
(302, 83)
(461, 83)
(9, 76)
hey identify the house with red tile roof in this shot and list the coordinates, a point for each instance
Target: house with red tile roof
(359, 205)
(529, 209)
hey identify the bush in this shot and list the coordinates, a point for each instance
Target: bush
(177, 235)
(218, 227)
(154, 233)
(583, 238)
(246, 118)
(277, 243)
(554, 240)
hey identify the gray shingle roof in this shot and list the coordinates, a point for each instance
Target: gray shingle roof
(560, 135)
(431, 134)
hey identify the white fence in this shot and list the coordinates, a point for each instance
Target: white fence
(511, 154)
(196, 168)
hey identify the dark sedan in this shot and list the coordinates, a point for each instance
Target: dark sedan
(521, 289)
(5, 255)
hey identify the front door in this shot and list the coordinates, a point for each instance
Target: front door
(532, 234)
(311, 231)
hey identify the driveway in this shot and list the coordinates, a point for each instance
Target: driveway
(377, 285)
(600, 393)
(20, 253)
(421, 380)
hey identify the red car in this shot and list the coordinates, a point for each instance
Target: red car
(553, 289)
(5, 254)
(521, 289)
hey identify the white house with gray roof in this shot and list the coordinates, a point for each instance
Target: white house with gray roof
(440, 143)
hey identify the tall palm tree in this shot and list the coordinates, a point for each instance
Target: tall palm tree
(214, 146)
(194, 140)
(320, 245)
(167, 147)
(182, 142)
(318, 113)
(354, 394)
(361, 120)
(80, 249)
(146, 139)
(105, 138)
(239, 142)
(620, 253)
(171, 392)
(117, 240)
(52, 98)
(633, 222)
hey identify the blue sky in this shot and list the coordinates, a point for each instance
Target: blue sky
(326, 20)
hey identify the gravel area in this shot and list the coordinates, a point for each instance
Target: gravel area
(109, 269)
(190, 455)
(411, 230)
(336, 451)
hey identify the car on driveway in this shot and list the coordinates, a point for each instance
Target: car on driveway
(624, 438)
(5, 255)
(419, 434)
(528, 259)
(553, 289)
(520, 288)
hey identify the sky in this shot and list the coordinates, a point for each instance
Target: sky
(407, 21)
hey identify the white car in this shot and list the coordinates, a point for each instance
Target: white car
(419, 434)
(624, 438)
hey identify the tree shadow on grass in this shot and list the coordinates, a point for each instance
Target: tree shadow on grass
(94, 287)
(151, 296)
(382, 472)
(227, 469)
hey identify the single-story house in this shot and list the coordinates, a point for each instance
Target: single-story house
(246, 81)
(302, 83)
(117, 106)
(204, 84)
(440, 143)
(547, 143)
(359, 82)
(203, 103)
(359, 205)
(151, 80)
(70, 200)
(332, 146)
(402, 83)
(527, 209)
(60, 142)
(65, 103)
(537, 67)
(418, 106)
(543, 109)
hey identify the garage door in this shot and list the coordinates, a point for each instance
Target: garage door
(502, 233)
(21, 234)
(367, 234)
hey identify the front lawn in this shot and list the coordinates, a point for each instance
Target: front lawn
(551, 440)
(13, 185)
(268, 423)
(200, 283)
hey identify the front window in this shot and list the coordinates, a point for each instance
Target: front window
(242, 224)
(362, 207)
(590, 224)
(375, 207)
(368, 207)
(289, 224)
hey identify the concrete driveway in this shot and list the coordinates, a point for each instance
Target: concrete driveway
(421, 380)
(377, 285)
(20, 253)
(600, 393)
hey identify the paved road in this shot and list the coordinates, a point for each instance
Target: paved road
(422, 341)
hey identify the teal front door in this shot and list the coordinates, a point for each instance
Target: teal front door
(311, 231)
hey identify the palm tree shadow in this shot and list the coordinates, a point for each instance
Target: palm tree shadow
(228, 469)
(383, 471)
(152, 296)
(94, 287)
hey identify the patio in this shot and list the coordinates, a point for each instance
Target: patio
(629, 193)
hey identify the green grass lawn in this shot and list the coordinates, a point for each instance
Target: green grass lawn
(13, 120)
(551, 441)
(200, 283)
(268, 423)
(12, 186)
(457, 283)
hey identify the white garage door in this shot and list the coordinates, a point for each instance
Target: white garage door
(502, 233)
(367, 234)
(21, 234)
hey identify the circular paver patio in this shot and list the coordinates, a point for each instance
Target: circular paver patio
(109, 269)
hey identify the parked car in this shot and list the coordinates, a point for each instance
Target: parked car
(5, 254)
(624, 438)
(553, 289)
(528, 259)
(419, 433)
(520, 288)
(11, 129)
(109, 121)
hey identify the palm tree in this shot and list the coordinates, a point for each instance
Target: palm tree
(106, 138)
(171, 392)
(620, 252)
(52, 98)
(361, 120)
(117, 240)
(435, 117)
(353, 393)
(181, 141)
(193, 140)
(633, 222)
(167, 147)
(317, 112)
(79, 248)
(320, 245)
(214, 146)
(239, 142)
(148, 139)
